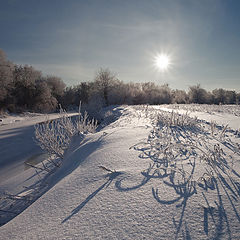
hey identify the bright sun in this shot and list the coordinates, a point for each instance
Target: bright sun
(162, 62)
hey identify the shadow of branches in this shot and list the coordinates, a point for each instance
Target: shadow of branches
(110, 178)
(192, 158)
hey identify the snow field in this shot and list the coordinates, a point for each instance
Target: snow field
(170, 182)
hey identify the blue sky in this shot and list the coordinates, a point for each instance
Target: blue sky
(73, 39)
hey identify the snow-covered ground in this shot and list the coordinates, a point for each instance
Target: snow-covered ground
(168, 181)
(222, 114)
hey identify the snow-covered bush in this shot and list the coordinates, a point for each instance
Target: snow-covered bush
(173, 119)
(55, 136)
(84, 125)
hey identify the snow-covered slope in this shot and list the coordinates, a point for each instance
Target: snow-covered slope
(140, 199)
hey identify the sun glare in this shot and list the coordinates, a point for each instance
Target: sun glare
(162, 62)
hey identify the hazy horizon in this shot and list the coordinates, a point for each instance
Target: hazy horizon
(73, 39)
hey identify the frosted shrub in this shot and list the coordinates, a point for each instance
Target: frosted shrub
(55, 136)
(174, 119)
(84, 125)
(66, 123)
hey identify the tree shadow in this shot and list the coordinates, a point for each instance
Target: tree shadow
(111, 177)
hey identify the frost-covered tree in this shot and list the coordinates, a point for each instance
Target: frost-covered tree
(119, 93)
(83, 92)
(218, 96)
(44, 101)
(25, 78)
(179, 96)
(56, 85)
(230, 97)
(104, 80)
(238, 98)
(198, 95)
(6, 79)
(165, 94)
(224, 96)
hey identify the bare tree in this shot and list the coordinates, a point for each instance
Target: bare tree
(104, 81)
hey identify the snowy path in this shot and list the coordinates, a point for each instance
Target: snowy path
(135, 202)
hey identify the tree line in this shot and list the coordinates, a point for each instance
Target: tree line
(23, 88)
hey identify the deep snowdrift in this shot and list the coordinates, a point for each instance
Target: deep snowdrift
(146, 196)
